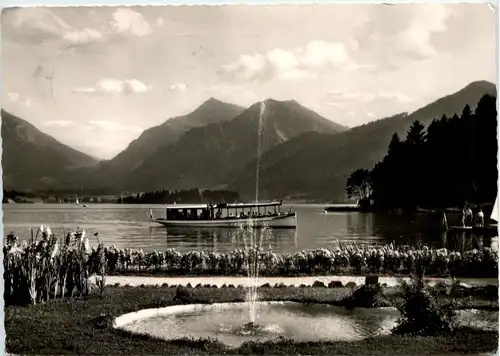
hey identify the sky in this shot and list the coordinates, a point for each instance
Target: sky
(96, 77)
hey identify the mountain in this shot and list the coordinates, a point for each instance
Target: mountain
(32, 159)
(211, 111)
(317, 165)
(205, 155)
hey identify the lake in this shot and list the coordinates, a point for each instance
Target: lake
(127, 226)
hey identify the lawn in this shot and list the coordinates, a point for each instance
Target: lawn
(68, 326)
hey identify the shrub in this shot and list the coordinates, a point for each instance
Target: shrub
(366, 296)
(318, 284)
(183, 295)
(422, 312)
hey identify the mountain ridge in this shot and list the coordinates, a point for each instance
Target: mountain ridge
(231, 142)
(32, 158)
(302, 153)
(321, 158)
(153, 138)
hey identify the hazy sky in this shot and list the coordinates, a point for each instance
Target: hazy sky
(95, 77)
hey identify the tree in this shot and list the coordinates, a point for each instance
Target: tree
(416, 134)
(359, 185)
(454, 160)
(394, 145)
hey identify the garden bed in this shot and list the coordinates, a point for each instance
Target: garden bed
(349, 260)
(69, 326)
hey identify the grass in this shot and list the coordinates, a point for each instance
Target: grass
(344, 271)
(67, 327)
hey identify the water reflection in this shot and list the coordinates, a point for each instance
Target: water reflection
(223, 239)
(359, 224)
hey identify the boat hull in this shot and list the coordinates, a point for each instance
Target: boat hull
(283, 221)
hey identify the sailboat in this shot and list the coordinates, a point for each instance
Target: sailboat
(77, 202)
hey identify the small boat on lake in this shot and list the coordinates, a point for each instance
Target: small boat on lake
(264, 214)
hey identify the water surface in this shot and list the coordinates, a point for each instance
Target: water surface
(127, 226)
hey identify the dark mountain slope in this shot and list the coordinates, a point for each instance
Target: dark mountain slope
(211, 111)
(33, 160)
(317, 166)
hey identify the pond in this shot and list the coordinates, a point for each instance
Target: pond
(229, 322)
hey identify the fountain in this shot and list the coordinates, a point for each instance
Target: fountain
(252, 249)
(253, 241)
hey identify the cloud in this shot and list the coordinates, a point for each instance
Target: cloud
(59, 123)
(16, 97)
(13, 96)
(427, 19)
(27, 102)
(110, 86)
(126, 20)
(83, 36)
(37, 24)
(178, 87)
(396, 95)
(40, 21)
(301, 63)
(335, 98)
(320, 54)
(239, 93)
(159, 21)
(112, 126)
(409, 35)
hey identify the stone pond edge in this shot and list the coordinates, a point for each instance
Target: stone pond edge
(143, 314)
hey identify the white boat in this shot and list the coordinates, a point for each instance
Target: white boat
(256, 215)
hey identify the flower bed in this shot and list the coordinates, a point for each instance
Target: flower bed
(46, 267)
(352, 260)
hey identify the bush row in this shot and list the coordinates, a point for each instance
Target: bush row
(352, 259)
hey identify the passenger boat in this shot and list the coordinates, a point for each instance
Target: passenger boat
(265, 214)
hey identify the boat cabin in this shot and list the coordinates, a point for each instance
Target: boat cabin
(222, 211)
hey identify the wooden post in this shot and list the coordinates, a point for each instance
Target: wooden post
(445, 221)
(371, 280)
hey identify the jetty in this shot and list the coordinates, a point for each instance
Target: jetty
(342, 208)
